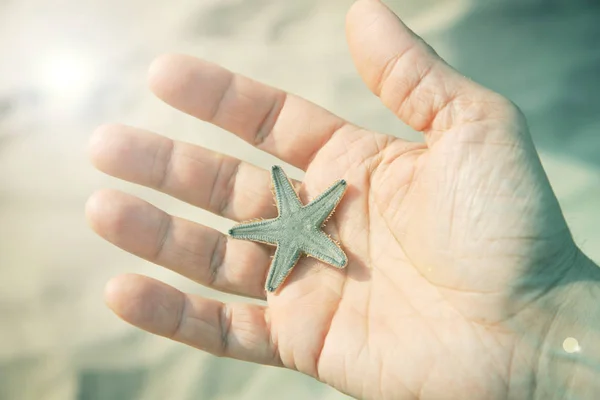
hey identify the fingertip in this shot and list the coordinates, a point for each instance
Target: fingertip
(109, 147)
(144, 302)
(98, 142)
(127, 296)
(169, 74)
(409, 76)
(157, 68)
(375, 34)
(114, 289)
(111, 213)
(361, 8)
(189, 84)
(95, 207)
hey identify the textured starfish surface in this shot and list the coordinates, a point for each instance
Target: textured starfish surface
(297, 229)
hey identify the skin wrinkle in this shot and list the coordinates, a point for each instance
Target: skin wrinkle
(509, 371)
(568, 359)
(168, 164)
(264, 130)
(513, 144)
(381, 369)
(448, 106)
(514, 313)
(225, 202)
(274, 346)
(532, 378)
(569, 383)
(464, 174)
(371, 168)
(344, 377)
(181, 316)
(518, 238)
(375, 161)
(541, 350)
(373, 22)
(415, 313)
(186, 250)
(372, 162)
(387, 166)
(497, 365)
(370, 260)
(366, 313)
(328, 329)
(352, 145)
(343, 154)
(472, 292)
(228, 162)
(452, 204)
(410, 188)
(408, 301)
(349, 146)
(327, 138)
(419, 394)
(476, 118)
(219, 105)
(388, 68)
(225, 321)
(547, 290)
(414, 89)
(215, 183)
(217, 258)
(165, 229)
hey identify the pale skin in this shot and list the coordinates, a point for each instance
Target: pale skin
(459, 256)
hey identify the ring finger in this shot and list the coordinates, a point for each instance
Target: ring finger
(202, 254)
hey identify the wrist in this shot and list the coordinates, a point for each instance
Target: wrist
(568, 357)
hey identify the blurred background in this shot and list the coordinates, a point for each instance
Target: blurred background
(68, 65)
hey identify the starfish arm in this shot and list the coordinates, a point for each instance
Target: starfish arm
(286, 257)
(323, 206)
(323, 248)
(263, 231)
(285, 195)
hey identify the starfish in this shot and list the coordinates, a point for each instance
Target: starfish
(297, 229)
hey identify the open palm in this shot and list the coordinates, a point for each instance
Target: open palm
(450, 242)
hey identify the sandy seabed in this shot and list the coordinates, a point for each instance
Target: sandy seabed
(58, 341)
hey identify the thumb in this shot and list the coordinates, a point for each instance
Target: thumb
(410, 78)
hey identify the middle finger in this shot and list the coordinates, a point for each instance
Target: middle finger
(218, 183)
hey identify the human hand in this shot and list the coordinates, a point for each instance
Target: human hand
(454, 244)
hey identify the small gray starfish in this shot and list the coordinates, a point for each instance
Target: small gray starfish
(296, 230)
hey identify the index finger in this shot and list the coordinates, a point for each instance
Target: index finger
(287, 126)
